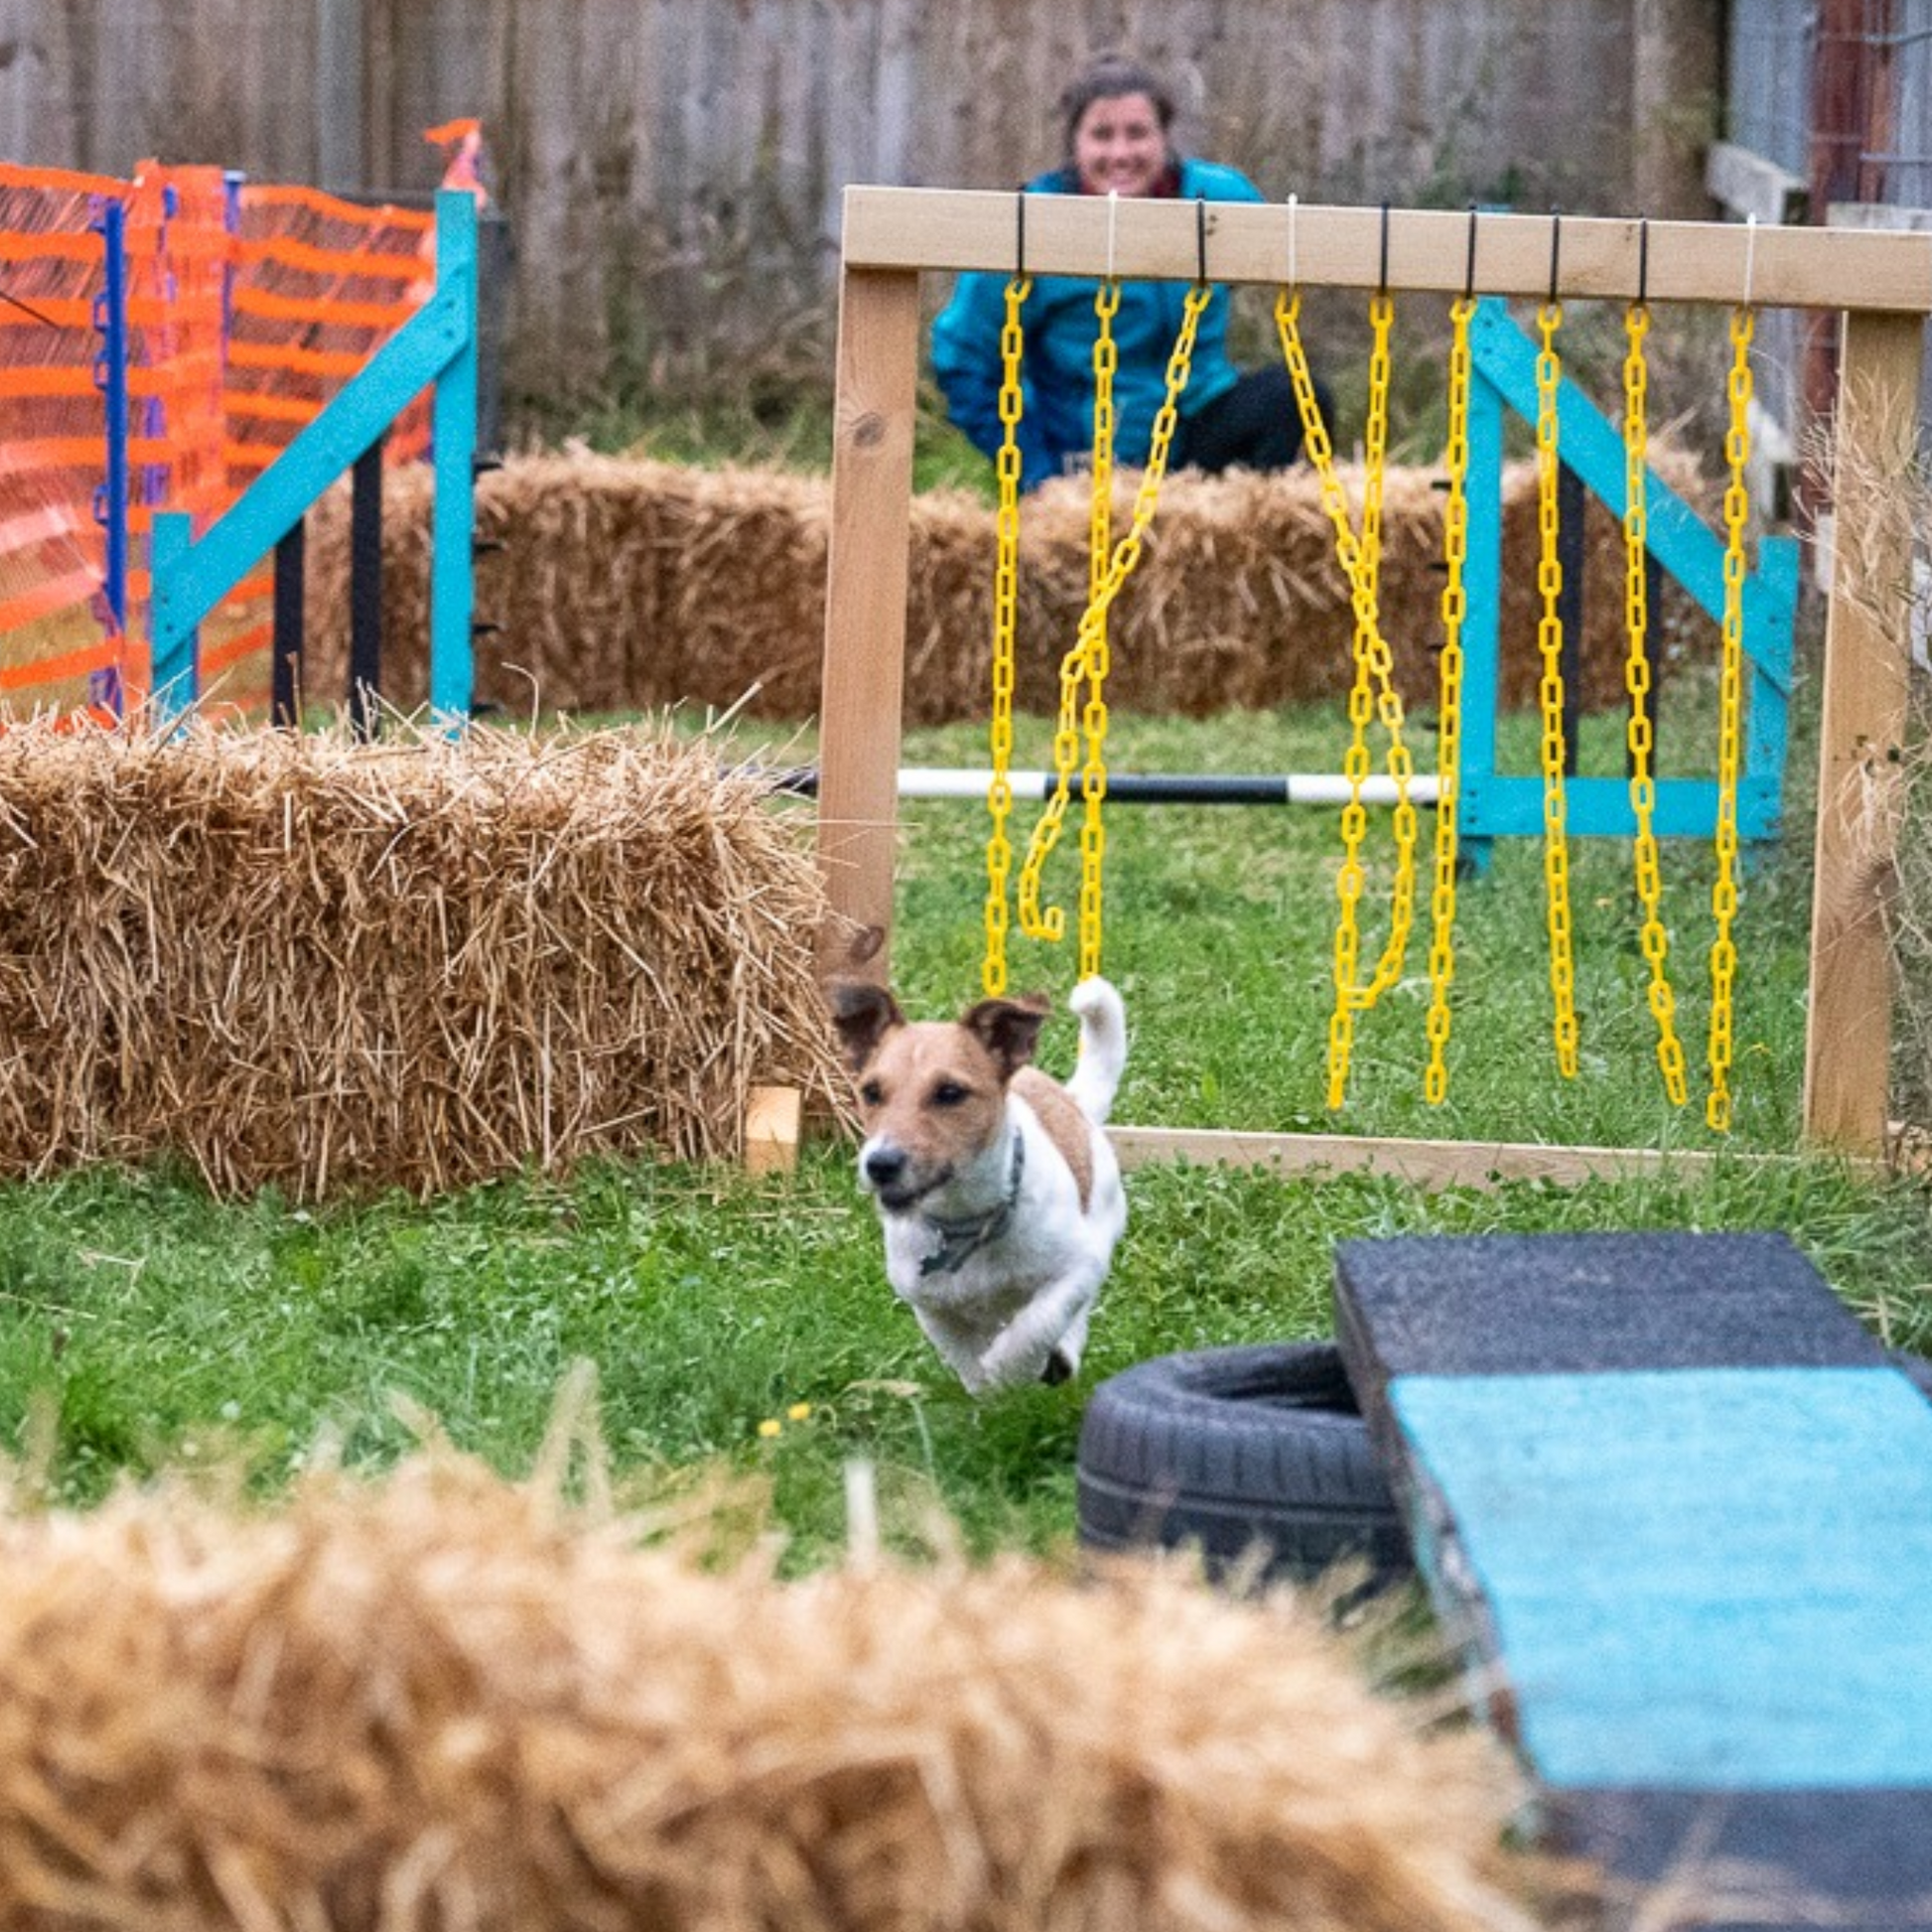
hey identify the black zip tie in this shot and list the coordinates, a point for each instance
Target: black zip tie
(1643, 261)
(1556, 244)
(27, 309)
(1020, 236)
(1470, 265)
(1382, 285)
(1201, 240)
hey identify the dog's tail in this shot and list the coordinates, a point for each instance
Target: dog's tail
(1103, 1048)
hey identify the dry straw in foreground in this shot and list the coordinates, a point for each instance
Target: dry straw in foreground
(444, 1702)
(417, 963)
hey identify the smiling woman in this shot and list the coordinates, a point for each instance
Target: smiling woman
(1118, 118)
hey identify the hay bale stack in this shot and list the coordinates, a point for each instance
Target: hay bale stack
(619, 585)
(635, 585)
(414, 964)
(447, 1702)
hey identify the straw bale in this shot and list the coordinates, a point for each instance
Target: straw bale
(444, 1701)
(1895, 820)
(635, 585)
(416, 963)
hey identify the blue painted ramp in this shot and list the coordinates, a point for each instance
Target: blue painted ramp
(1677, 1506)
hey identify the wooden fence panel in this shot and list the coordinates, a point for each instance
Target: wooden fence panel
(672, 170)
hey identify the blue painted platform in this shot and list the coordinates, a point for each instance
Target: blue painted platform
(1677, 1506)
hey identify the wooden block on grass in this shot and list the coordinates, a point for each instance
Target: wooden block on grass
(771, 1122)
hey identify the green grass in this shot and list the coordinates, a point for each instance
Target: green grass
(141, 1321)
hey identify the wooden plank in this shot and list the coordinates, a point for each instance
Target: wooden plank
(1748, 184)
(771, 1125)
(1342, 247)
(1426, 1164)
(1481, 1165)
(1848, 1037)
(865, 610)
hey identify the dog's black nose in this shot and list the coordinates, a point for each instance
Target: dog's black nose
(885, 1165)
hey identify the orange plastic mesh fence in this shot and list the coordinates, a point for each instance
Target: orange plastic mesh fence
(178, 267)
(246, 312)
(321, 285)
(55, 630)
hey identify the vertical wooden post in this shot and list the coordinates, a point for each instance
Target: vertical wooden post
(1677, 76)
(860, 719)
(1847, 1039)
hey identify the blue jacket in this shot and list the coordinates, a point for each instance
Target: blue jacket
(1060, 326)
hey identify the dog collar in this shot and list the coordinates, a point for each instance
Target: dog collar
(959, 1241)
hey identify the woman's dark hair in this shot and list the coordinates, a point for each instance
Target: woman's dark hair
(1108, 78)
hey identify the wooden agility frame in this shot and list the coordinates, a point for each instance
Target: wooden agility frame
(893, 236)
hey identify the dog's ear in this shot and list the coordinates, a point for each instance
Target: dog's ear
(1008, 1029)
(863, 1013)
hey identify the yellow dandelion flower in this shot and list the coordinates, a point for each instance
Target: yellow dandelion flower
(770, 1426)
(798, 1410)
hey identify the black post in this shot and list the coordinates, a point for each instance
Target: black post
(365, 590)
(1570, 553)
(285, 677)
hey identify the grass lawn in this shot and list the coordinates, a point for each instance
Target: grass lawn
(142, 1321)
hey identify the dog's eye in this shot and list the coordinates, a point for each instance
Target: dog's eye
(872, 1093)
(949, 1093)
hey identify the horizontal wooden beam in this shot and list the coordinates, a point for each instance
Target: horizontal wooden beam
(1424, 1164)
(1426, 249)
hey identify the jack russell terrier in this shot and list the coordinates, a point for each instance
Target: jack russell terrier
(998, 1188)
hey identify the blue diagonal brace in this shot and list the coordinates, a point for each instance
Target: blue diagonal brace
(1492, 803)
(1680, 540)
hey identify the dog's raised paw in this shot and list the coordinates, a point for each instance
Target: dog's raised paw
(1057, 1370)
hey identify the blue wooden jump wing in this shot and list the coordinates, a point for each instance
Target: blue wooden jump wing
(435, 348)
(1494, 804)
(1678, 1506)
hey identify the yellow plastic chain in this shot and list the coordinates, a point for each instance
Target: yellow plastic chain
(1448, 728)
(1006, 583)
(1381, 665)
(1549, 637)
(1731, 706)
(1372, 691)
(1093, 778)
(1089, 646)
(1639, 734)
(1106, 360)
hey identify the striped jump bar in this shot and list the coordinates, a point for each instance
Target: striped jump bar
(1145, 788)
(1674, 1504)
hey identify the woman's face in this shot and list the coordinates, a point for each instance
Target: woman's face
(1119, 146)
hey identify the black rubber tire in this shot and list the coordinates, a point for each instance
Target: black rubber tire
(1226, 1448)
